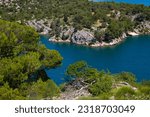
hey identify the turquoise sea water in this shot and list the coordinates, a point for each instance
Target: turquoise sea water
(132, 55)
(145, 2)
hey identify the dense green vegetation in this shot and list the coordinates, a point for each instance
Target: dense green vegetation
(104, 85)
(23, 59)
(22, 63)
(22, 76)
(107, 20)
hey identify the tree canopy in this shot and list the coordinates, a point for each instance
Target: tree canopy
(23, 60)
(104, 85)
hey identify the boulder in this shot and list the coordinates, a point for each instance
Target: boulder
(83, 37)
(67, 33)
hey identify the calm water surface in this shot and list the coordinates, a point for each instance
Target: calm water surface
(132, 55)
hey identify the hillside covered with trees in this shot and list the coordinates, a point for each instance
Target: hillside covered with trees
(79, 21)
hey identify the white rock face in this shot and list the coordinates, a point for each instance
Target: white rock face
(83, 37)
(39, 26)
(132, 33)
(67, 33)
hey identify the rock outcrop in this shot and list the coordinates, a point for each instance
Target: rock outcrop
(84, 36)
(40, 26)
(143, 28)
(75, 90)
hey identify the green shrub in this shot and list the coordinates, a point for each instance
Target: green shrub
(125, 93)
(125, 76)
(103, 85)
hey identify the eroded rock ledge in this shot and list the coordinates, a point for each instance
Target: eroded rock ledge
(84, 36)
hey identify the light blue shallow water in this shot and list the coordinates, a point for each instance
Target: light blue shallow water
(145, 2)
(132, 55)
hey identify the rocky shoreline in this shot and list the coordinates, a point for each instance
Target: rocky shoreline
(69, 34)
(92, 28)
(98, 44)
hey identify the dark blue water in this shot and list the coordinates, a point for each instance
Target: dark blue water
(132, 55)
(145, 2)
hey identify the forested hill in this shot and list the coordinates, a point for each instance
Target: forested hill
(79, 21)
(22, 64)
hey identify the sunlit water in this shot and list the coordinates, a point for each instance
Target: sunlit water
(132, 55)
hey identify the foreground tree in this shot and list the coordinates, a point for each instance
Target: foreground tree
(23, 60)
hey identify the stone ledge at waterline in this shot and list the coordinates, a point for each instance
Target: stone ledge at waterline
(84, 36)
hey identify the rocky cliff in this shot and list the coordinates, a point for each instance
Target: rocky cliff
(84, 36)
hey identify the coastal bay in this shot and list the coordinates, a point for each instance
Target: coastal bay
(131, 55)
(74, 49)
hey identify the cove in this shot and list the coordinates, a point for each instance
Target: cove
(132, 55)
(145, 2)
